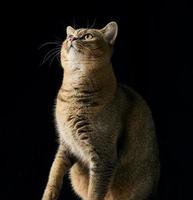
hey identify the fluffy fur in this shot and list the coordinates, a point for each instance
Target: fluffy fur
(106, 131)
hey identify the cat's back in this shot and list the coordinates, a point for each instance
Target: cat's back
(139, 129)
(132, 101)
(132, 96)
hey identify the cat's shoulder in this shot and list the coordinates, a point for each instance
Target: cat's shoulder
(129, 91)
(131, 95)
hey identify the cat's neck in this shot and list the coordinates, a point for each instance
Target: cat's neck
(90, 76)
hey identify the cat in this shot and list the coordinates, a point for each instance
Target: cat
(107, 138)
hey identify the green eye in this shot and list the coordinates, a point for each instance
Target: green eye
(87, 36)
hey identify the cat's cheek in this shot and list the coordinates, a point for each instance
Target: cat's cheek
(65, 52)
(63, 57)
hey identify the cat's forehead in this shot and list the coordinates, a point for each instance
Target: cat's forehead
(82, 31)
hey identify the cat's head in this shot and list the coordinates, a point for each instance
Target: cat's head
(88, 45)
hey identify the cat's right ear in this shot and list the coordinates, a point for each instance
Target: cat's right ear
(70, 30)
(110, 32)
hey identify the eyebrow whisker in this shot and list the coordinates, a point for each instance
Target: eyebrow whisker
(87, 24)
(94, 22)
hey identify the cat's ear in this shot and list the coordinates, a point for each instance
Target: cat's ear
(110, 32)
(70, 30)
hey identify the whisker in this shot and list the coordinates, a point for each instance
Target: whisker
(94, 22)
(87, 23)
(49, 43)
(74, 22)
(55, 56)
(59, 39)
(58, 59)
(50, 54)
(47, 54)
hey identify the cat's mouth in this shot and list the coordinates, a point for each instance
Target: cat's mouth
(72, 46)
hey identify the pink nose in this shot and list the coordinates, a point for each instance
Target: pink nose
(72, 38)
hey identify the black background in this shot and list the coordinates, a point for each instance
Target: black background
(153, 54)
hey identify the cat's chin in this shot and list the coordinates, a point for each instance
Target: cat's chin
(74, 47)
(70, 48)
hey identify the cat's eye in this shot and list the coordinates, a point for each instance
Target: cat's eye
(87, 36)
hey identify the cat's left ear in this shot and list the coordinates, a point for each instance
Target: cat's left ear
(70, 30)
(110, 32)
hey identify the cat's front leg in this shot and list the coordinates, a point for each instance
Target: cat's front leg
(59, 167)
(100, 176)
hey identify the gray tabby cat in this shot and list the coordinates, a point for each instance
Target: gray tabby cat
(106, 131)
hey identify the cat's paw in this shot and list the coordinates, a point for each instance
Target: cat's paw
(50, 193)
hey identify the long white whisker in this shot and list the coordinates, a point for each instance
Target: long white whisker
(48, 43)
(59, 39)
(57, 48)
(87, 23)
(50, 54)
(58, 58)
(55, 56)
(74, 23)
(94, 22)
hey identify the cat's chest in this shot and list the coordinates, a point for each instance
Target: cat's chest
(76, 129)
(83, 125)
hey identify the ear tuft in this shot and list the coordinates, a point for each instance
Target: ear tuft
(70, 30)
(110, 32)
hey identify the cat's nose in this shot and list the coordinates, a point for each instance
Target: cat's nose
(72, 38)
